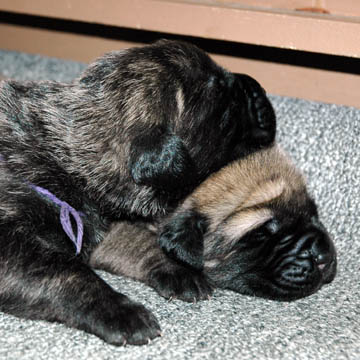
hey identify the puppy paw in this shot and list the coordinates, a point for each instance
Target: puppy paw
(177, 282)
(181, 239)
(125, 322)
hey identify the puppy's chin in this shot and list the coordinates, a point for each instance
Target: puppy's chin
(280, 263)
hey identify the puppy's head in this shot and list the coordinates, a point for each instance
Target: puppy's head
(224, 116)
(217, 116)
(159, 112)
(261, 231)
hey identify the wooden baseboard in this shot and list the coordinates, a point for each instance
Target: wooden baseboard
(285, 24)
(320, 83)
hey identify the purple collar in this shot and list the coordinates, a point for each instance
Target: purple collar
(65, 212)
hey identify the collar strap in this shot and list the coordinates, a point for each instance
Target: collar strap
(65, 211)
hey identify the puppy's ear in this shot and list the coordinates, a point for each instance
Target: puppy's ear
(160, 160)
(182, 239)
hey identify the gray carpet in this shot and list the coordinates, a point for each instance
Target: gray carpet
(324, 141)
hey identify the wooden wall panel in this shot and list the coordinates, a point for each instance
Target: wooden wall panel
(223, 20)
(281, 79)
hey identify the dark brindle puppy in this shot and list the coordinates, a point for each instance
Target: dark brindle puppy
(258, 226)
(129, 138)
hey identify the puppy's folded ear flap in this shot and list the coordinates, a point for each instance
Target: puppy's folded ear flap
(160, 160)
(258, 113)
(182, 239)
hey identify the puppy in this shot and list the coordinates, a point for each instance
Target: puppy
(131, 137)
(256, 224)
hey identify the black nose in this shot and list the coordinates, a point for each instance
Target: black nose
(261, 126)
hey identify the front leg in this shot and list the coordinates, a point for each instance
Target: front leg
(131, 249)
(56, 288)
(42, 278)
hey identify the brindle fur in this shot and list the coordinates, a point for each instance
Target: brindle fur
(257, 224)
(131, 137)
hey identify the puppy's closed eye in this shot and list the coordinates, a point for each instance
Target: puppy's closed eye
(242, 222)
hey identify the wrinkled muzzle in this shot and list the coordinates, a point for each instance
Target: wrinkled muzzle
(306, 261)
(285, 264)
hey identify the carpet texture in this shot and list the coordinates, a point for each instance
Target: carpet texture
(323, 139)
